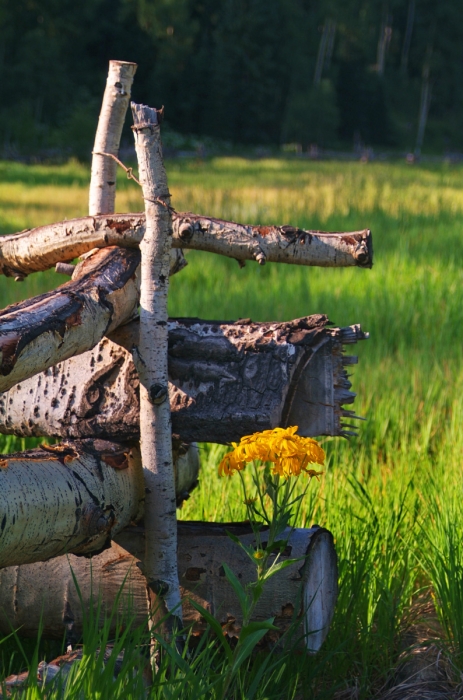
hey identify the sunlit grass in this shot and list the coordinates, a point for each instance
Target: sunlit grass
(392, 496)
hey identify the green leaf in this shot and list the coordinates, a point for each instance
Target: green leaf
(244, 650)
(279, 566)
(233, 537)
(255, 627)
(238, 588)
(216, 626)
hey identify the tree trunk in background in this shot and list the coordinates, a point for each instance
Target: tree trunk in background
(306, 590)
(43, 247)
(385, 34)
(321, 54)
(226, 380)
(102, 195)
(408, 36)
(150, 357)
(426, 93)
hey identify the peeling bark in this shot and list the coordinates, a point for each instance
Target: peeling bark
(102, 194)
(150, 357)
(307, 590)
(226, 380)
(74, 497)
(37, 333)
(41, 248)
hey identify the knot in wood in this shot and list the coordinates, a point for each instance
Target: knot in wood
(261, 258)
(95, 521)
(158, 393)
(159, 588)
(186, 230)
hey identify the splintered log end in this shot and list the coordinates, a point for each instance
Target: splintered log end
(363, 253)
(323, 387)
(145, 117)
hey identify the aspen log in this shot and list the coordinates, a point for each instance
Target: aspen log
(75, 496)
(306, 589)
(37, 333)
(102, 193)
(42, 248)
(226, 380)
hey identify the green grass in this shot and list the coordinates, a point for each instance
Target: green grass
(392, 496)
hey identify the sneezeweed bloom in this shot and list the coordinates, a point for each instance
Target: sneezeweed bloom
(289, 453)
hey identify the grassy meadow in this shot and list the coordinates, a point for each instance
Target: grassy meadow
(393, 496)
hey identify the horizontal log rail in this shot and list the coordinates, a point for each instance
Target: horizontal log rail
(74, 497)
(44, 593)
(37, 333)
(226, 380)
(42, 248)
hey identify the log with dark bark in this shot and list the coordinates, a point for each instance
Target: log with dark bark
(45, 592)
(39, 332)
(226, 380)
(75, 496)
(41, 248)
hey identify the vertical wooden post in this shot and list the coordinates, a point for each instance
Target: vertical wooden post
(160, 563)
(116, 98)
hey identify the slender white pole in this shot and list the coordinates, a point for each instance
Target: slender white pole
(116, 98)
(160, 564)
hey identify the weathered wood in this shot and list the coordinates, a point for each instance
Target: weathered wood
(226, 380)
(53, 675)
(150, 357)
(177, 262)
(71, 497)
(102, 193)
(41, 248)
(39, 332)
(46, 592)
(75, 496)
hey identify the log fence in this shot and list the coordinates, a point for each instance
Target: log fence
(72, 363)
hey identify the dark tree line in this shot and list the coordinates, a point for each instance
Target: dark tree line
(331, 72)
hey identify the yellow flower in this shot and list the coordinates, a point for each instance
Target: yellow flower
(230, 463)
(290, 453)
(258, 554)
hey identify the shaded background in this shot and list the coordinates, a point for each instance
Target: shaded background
(336, 73)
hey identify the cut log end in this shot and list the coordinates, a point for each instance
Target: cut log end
(320, 590)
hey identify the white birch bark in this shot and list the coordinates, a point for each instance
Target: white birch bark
(226, 380)
(71, 497)
(160, 561)
(116, 98)
(306, 590)
(43, 247)
(74, 497)
(40, 332)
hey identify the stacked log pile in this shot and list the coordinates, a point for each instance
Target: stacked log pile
(70, 368)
